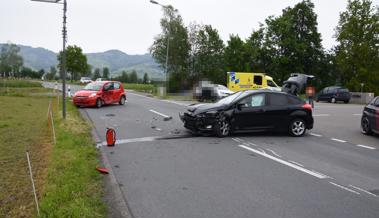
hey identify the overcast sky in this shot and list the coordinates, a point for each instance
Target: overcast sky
(130, 25)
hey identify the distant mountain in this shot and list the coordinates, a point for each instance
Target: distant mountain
(115, 60)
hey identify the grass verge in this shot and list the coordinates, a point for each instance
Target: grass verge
(74, 187)
(140, 87)
(66, 181)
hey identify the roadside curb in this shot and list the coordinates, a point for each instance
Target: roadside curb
(115, 200)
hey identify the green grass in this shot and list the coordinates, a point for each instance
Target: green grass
(16, 83)
(23, 125)
(67, 182)
(74, 187)
(140, 87)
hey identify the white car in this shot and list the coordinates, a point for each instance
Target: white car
(85, 80)
(222, 91)
(101, 79)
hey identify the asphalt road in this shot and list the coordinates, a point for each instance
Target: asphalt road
(163, 171)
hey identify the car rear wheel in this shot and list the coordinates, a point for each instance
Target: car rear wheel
(333, 100)
(297, 127)
(99, 103)
(122, 100)
(222, 127)
(365, 126)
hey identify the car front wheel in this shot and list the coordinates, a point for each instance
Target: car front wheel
(99, 103)
(122, 100)
(222, 127)
(365, 126)
(297, 127)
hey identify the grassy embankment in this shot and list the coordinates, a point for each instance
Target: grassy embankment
(66, 181)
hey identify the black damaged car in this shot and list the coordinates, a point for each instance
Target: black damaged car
(250, 111)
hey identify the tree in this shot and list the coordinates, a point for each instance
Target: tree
(133, 78)
(106, 72)
(235, 55)
(10, 60)
(76, 62)
(173, 30)
(293, 43)
(51, 75)
(96, 74)
(145, 78)
(208, 55)
(357, 52)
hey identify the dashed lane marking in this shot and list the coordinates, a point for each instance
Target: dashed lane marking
(362, 190)
(338, 140)
(160, 114)
(321, 115)
(345, 188)
(365, 146)
(317, 175)
(314, 134)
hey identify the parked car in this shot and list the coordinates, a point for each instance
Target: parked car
(334, 94)
(100, 79)
(100, 93)
(250, 111)
(209, 91)
(370, 118)
(84, 80)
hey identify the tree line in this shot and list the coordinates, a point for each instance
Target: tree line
(11, 65)
(284, 44)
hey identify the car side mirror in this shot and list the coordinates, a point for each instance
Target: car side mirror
(241, 105)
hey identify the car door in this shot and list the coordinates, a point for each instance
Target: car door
(249, 113)
(376, 108)
(321, 95)
(108, 93)
(277, 111)
(116, 92)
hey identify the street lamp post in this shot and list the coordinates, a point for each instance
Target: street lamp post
(63, 67)
(168, 44)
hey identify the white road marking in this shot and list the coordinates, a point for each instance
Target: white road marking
(273, 152)
(160, 114)
(314, 134)
(296, 163)
(321, 115)
(345, 188)
(338, 140)
(174, 102)
(365, 146)
(317, 175)
(236, 140)
(362, 190)
(249, 143)
(125, 141)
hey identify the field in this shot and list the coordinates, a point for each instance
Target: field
(66, 181)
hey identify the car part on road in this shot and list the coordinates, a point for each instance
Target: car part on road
(111, 137)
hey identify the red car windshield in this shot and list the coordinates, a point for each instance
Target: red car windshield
(93, 86)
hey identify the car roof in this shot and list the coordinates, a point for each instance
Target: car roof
(263, 91)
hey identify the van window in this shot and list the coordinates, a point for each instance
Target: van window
(258, 80)
(271, 83)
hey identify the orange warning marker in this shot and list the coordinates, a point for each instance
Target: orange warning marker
(111, 137)
(102, 170)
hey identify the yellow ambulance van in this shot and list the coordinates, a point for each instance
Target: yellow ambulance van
(238, 81)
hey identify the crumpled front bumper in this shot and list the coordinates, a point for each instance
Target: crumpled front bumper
(197, 123)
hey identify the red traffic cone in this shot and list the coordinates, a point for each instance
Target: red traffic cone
(111, 137)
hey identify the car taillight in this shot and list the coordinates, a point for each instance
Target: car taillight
(307, 107)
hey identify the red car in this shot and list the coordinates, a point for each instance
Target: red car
(100, 93)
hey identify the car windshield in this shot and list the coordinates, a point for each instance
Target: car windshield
(229, 99)
(221, 87)
(93, 86)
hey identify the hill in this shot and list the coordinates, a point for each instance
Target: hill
(115, 60)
